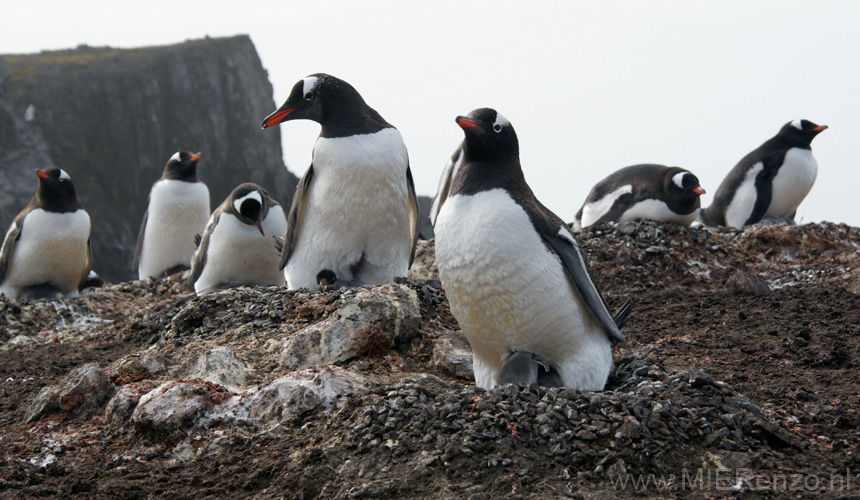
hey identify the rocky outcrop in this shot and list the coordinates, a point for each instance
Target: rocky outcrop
(111, 118)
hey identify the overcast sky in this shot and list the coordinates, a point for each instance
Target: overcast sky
(590, 87)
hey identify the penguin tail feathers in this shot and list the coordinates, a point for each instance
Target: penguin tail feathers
(620, 316)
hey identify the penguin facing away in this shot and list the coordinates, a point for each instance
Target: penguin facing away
(354, 211)
(177, 210)
(514, 274)
(46, 251)
(770, 181)
(237, 247)
(646, 191)
(444, 188)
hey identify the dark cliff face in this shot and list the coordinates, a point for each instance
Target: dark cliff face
(111, 118)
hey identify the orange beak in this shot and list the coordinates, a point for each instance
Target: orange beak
(277, 117)
(465, 122)
(699, 191)
(820, 128)
(41, 174)
(195, 157)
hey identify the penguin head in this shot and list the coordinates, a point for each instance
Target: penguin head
(182, 166)
(489, 136)
(250, 205)
(315, 97)
(802, 131)
(56, 191)
(684, 186)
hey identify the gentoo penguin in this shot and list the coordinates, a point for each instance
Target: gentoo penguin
(448, 173)
(771, 181)
(653, 192)
(326, 280)
(237, 247)
(178, 209)
(354, 211)
(46, 252)
(514, 275)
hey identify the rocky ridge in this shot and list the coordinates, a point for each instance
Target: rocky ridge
(738, 370)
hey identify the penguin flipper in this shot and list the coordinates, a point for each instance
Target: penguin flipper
(198, 259)
(9, 245)
(294, 218)
(621, 205)
(87, 267)
(414, 214)
(135, 265)
(445, 183)
(565, 246)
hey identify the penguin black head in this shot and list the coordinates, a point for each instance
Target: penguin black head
(249, 204)
(331, 102)
(801, 131)
(56, 192)
(684, 186)
(182, 166)
(489, 136)
(326, 280)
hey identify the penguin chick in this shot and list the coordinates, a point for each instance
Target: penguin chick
(236, 248)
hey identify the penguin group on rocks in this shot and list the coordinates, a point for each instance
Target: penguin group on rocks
(515, 277)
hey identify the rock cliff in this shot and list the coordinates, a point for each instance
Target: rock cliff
(111, 118)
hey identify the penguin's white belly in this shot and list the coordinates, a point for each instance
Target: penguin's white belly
(792, 182)
(52, 248)
(510, 293)
(177, 212)
(741, 206)
(593, 211)
(239, 255)
(657, 210)
(356, 215)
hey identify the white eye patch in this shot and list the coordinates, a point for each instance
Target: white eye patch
(309, 84)
(253, 195)
(678, 179)
(501, 120)
(797, 124)
(64, 176)
(175, 156)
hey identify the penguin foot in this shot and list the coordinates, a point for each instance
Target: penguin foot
(526, 368)
(40, 291)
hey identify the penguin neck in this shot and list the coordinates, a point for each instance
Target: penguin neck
(353, 118)
(55, 203)
(789, 141)
(477, 176)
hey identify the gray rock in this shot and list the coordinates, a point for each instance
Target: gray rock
(220, 365)
(452, 355)
(122, 404)
(322, 389)
(374, 320)
(81, 392)
(176, 404)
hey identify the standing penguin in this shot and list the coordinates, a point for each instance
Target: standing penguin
(177, 210)
(647, 191)
(515, 276)
(354, 211)
(46, 252)
(771, 181)
(238, 247)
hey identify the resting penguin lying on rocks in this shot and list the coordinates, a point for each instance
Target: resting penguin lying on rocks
(514, 274)
(647, 191)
